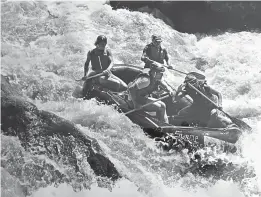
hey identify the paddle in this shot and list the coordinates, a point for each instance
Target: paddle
(98, 75)
(197, 75)
(238, 122)
(134, 110)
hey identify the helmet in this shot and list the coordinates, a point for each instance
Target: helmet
(191, 79)
(156, 38)
(100, 39)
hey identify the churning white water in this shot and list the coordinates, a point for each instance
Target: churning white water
(44, 47)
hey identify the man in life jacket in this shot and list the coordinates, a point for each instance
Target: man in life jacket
(155, 52)
(144, 84)
(102, 62)
(201, 111)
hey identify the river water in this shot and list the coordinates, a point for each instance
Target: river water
(44, 47)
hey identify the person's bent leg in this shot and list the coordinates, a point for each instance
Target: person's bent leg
(159, 107)
(218, 119)
(88, 83)
(122, 86)
(163, 112)
(186, 116)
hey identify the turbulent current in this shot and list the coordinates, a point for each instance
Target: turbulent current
(44, 47)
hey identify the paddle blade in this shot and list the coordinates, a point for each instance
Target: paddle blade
(241, 124)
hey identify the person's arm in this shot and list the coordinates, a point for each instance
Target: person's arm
(167, 58)
(110, 59)
(86, 65)
(218, 94)
(166, 87)
(181, 92)
(145, 58)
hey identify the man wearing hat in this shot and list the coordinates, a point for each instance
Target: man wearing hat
(201, 111)
(144, 84)
(155, 52)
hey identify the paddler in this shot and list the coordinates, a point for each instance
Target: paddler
(144, 84)
(101, 62)
(155, 52)
(201, 111)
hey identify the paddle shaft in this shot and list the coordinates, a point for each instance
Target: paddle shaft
(238, 122)
(178, 71)
(98, 75)
(208, 99)
(167, 67)
(133, 110)
(197, 75)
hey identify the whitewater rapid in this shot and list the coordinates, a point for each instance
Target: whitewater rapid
(44, 47)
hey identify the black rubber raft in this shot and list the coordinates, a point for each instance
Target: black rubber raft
(198, 135)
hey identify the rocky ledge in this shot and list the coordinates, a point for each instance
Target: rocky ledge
(44, 134)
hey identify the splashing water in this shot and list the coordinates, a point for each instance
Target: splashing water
(44, 47)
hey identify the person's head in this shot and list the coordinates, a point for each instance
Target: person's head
(156, 40)
(191, 79)
(156, 71)
(101, 42)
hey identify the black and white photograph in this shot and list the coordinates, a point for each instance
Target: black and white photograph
(104, 98)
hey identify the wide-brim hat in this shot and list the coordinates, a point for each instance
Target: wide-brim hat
(191, 79)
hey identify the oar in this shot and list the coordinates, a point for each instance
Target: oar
(98, 75)
(133, 110)
(82, 79)
(197, 75)
(238, 122)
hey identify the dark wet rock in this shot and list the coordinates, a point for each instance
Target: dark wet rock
(203, 16)
(42, 133)
(8, 89)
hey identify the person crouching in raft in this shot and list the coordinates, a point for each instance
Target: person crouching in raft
(144, 84)
(201, 111)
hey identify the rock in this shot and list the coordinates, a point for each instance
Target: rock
(157, 14)
(203, 16)
(44, 133)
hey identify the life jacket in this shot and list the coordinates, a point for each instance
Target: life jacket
(102, 63)
(198, 99)
(142, 85)
(155, 55)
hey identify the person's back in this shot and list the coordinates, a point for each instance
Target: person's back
(100, 59)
